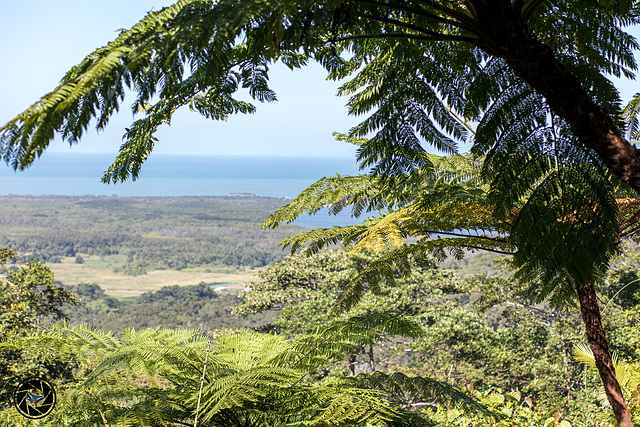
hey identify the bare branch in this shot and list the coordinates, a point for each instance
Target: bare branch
(431, 35)
(398, 23)
(496, 251)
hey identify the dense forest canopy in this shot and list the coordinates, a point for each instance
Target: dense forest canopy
(515, 360)
(151, 233)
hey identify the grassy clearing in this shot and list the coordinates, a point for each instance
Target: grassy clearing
(99, 262)
(97, 270)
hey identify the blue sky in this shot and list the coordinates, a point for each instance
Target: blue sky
(42, 39)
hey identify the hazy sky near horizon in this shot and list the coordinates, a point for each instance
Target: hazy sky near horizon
(42, 39)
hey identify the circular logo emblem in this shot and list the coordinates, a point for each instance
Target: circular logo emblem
(34, 398)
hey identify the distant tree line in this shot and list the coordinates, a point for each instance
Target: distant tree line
(153, 233)
(196, 306)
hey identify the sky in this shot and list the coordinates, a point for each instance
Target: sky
(41, 39)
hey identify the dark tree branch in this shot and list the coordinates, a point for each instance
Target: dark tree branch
(466, 25)
(447, 233)
(435, 38)
(482, 248)
(460, 17)
(630, 231)
(536, 64)
(529, 8)
(398, 23)
(472, 8)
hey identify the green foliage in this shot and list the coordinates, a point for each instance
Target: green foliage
(149, 233)
(420, 72)
(512, 409)
(481, 334)
(483, 331)
(304, 287)
(155, 376)
(623, 286)
(555, 208)
(170, 307)
(299, 278)
(526, 82)
(443, 209)
(631, 112)
(628, 376)
(451, 208)
(28, 297)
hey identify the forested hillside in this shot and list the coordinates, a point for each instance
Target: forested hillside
(510, 359)
(196, 306)
(484, 334)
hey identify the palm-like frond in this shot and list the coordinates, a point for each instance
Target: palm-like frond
(66, 342)
(398, 262)
(199, 53)
(536, 198)
(415, 93)
(627, 375)
(340, 337)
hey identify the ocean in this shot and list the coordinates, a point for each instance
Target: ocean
(78, 174)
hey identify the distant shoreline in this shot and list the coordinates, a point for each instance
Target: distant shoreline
(320, 219)
(79, 174)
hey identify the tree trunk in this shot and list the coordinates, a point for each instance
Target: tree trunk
(536, 64)
(507, 36)
(600, 348)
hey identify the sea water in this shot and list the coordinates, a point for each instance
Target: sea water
(79, 174)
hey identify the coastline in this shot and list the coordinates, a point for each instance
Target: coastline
(78, 174)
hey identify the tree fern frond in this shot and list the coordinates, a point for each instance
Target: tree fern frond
(326, 192)
(409, 388)
(342, 336)
(630, 117)
(397, 262)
